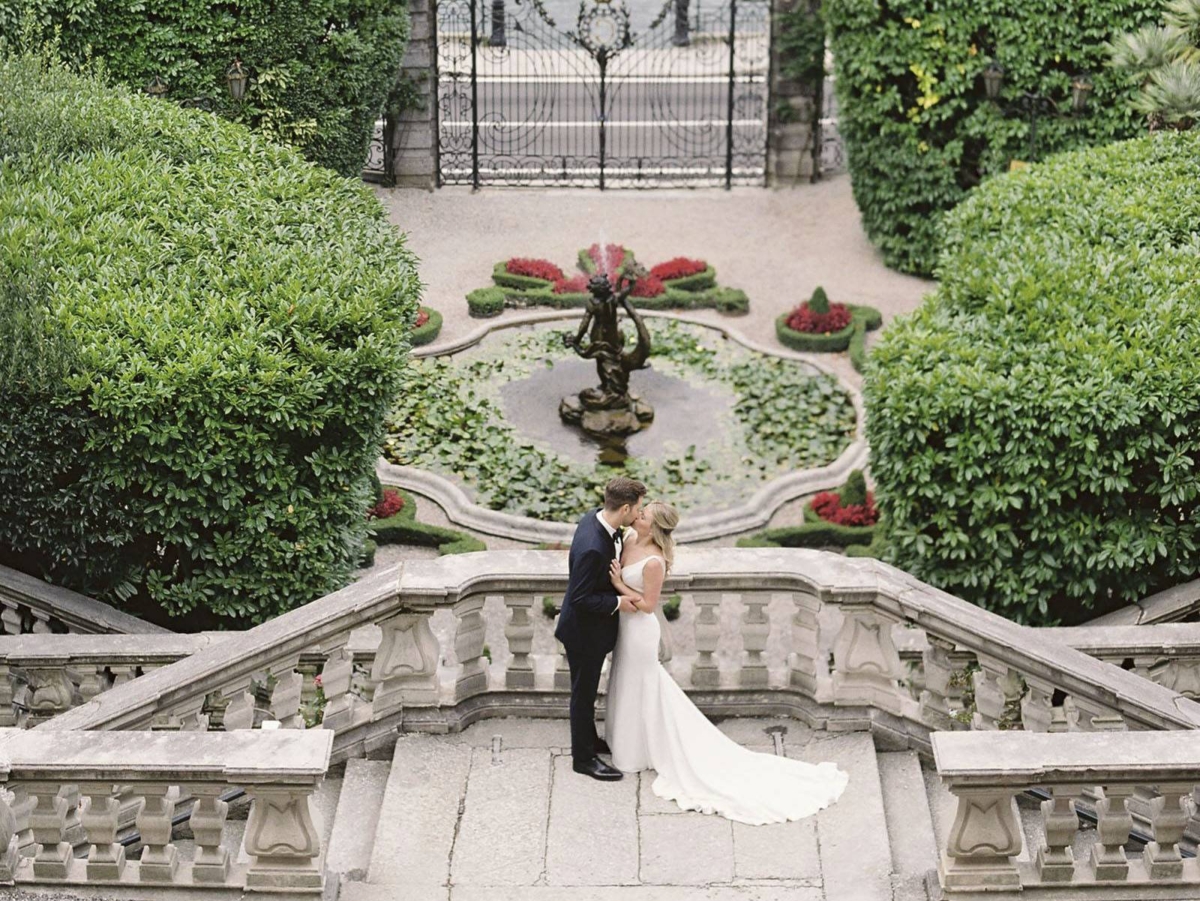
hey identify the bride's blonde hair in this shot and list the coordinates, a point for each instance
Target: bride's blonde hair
(663, 520)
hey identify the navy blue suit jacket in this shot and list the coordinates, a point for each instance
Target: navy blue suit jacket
(587, 623)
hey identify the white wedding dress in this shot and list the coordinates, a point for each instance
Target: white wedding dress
(651, 724)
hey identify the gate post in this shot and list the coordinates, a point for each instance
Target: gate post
(793, 138)
(412, 136)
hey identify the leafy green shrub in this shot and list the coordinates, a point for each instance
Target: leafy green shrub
(862, 320)
(230, 322)
(485, 302)
(816, 532)
(549, 608)
(404, 528)
(424, 334)
(670, 608)
(854, 492)
(320, 72)
(1034, 426)
(919, 132)
(819, 302)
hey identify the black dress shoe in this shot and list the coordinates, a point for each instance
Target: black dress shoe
(597, 769)
(602, 747)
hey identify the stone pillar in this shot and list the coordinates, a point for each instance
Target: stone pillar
(159, 857)
(9, 852)
(1113, 823)
(705, 673)
(802, 662)
(793, 137)
(866, 664)
(984, 841)
(1055, 859)
(519, 632)
(1169, 814)
(414, 136)
(405, 666)
(99, 812)
(756, 629)
(935, 708)
(468, 648)
(211, 861)
(48, 820)
(281, 839)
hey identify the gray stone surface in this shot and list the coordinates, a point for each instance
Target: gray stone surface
(633, 893)
(692, 849)
(593, 834)
(361, 797)
(502, 836)
(855, 859)
(418, 820)
(777, 851)
(909, 823)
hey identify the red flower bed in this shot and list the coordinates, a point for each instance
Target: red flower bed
(650, 286)
(609, 259)
(533, 268)
(391, 504)
(680, 267)
(422, 318)
(805, 320)
(828, 506)
(574, 285)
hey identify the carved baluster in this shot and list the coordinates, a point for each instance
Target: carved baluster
(99, 811)
(468, 648)
(1037, 714)
(22, 806)
(935, 708)
(1181, 675)
(10, 617)
(562, 669)
(10, 852)
(51, 691)
(240, 710)
(705, 673)
(159, 859)
(281, 839)
(41, 623)
(802, 662)
(756, 630)
(93, 680)
(285, 698)
(343, 706)
(995, 685)
(1055, 859)
(1169, 817)
(48, 821)
(1113, 823)
(1064, 718)
(405, 666)
(10, 683)
(73, 829)
(122, 674)
(519, 632)
(983, 841)
(211, 861)
(866, 663)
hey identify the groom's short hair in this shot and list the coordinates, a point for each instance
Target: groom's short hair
(621, 491)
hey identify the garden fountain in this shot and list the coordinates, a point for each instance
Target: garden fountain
(610, 413)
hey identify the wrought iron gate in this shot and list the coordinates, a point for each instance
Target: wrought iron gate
(525, 100)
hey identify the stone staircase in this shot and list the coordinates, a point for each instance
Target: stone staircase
(462, 817)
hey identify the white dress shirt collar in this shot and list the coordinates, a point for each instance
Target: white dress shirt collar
(611, 530)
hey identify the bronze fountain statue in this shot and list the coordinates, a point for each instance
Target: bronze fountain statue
(610, 412)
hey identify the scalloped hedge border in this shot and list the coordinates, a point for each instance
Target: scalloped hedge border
(853, 337)
(856, 541)
(429, 331)
(404, 528)
(699, 291)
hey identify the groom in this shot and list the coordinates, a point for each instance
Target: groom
(587, 625)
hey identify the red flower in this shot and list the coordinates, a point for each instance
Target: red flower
(422, 318)
(828, 506)
(391, 504)
(317, 682)
(575, 285)
(805, 320)
(543, 269)
(650, 286)
(608, 260)
(680, 267)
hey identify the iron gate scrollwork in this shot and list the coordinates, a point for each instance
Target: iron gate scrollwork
(525, 101)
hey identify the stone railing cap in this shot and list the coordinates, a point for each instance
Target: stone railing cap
(70, 607)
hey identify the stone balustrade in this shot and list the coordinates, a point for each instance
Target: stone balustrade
(765, 631)
(30, 606)
(55, 786)
(1174, 604)
(985, 773)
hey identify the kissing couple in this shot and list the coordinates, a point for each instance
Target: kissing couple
(620, 556)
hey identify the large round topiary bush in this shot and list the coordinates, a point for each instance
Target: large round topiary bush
(1035, 425)
(200, 335)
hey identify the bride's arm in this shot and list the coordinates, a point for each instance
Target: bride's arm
(653, 574)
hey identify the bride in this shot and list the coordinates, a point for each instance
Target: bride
(651, 723)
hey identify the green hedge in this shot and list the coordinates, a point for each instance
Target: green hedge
(918, 130)
(1034, 426)
(491, 301)
(214, 330)
(701, 281)
(813, 533)
(427, 332)
(853, 337)
(403, 528)
(321, 71)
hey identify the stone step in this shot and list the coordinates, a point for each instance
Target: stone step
(855, 854)
(909, 824)
(348, 855)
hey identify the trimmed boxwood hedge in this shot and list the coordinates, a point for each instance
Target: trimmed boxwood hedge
(403, 528)
(213, 331)
(814, 533)
(429, 331)
(862, 320)
(918, 129)
(1035, 424)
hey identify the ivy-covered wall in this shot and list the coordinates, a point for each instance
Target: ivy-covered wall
(321, 69)
(913, 113)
